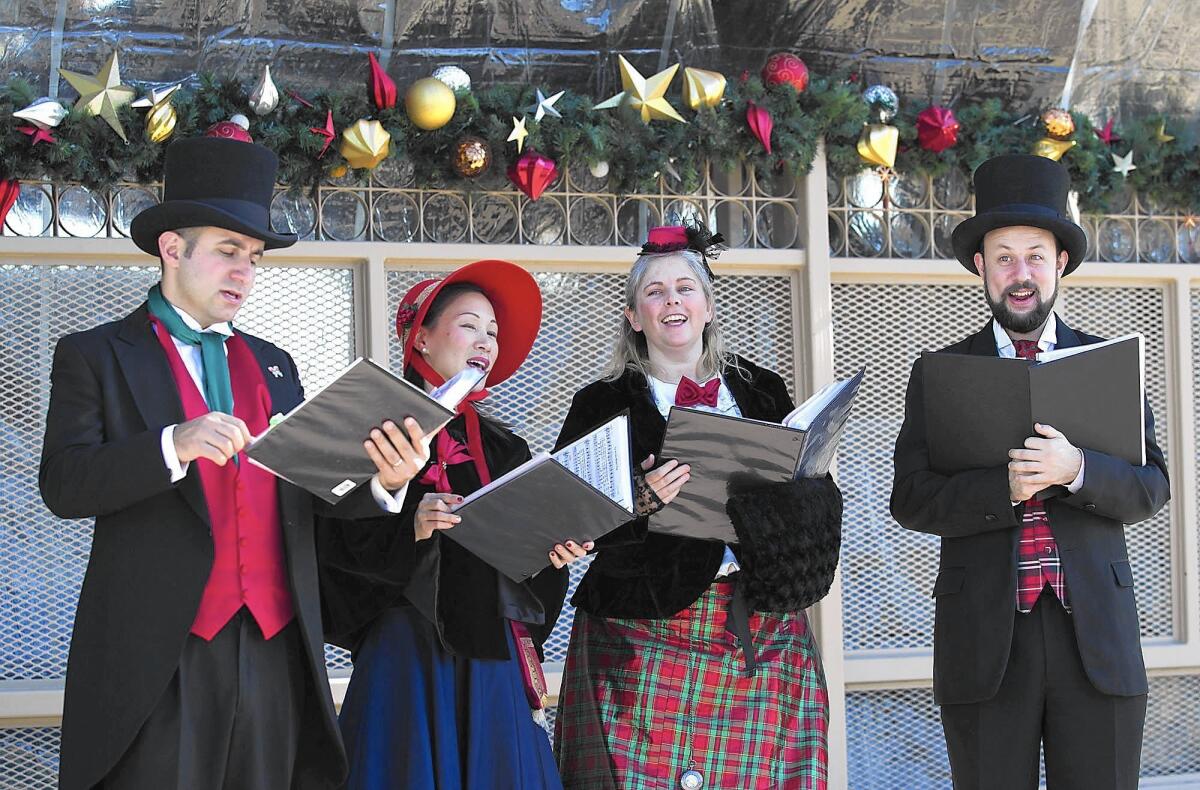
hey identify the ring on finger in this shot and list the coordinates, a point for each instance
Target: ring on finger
(398, 464)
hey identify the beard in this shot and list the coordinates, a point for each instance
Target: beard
(1021, 323)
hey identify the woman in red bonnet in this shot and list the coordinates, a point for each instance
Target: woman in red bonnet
(447, 685)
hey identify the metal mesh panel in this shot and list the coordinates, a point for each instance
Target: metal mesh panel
(29, 758)
(1110, 312)
(894, 740)
(1172, 739)
(894, 736)
(307, 310)
(1196, 398)
(44, 557)
(887, 571)
(579, 322)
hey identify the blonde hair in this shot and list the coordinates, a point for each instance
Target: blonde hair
(629, 352)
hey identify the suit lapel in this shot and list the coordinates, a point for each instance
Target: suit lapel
(1067, 338)
(155, 394)
(983, 342)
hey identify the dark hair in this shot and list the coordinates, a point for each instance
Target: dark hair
(447, 295)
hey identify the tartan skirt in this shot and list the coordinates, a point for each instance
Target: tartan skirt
(644, 701)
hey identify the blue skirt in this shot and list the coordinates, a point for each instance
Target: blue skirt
(417, 717)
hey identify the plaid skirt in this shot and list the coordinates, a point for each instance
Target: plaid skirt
(644, 701)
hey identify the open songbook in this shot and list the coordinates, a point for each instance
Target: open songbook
(980, 407)
(319, 444)
(581, 492)
(729, 455)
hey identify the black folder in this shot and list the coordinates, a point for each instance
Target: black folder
(513, 523)
(319, 444)
(729, 455)
(978, 408)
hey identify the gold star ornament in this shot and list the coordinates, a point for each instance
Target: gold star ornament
(102, 94)
(518, 133)
(645, 95)
(1161, 133)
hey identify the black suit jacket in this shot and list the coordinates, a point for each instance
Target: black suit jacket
(112, 394)
(975, 589)
(642, 574)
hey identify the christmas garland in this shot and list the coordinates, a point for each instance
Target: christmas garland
(83, 148)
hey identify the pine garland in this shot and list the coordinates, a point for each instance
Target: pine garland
(87, 151)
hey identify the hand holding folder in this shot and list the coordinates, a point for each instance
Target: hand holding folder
(730, 455)
(319, 444)
(582, 492)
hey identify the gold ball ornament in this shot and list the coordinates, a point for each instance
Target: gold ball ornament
(430, 103)
(365, 143)
(160, 121)
(1059, 123)
(472, 157)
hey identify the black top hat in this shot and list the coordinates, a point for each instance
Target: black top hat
(1019, 189)
(213, 181)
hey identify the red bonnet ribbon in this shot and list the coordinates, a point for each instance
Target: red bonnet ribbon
(690, 393)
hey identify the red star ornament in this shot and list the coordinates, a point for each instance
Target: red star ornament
(37, 135)
(1106, 134)
(325, 131)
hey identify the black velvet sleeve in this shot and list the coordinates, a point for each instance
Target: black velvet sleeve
(364, 566)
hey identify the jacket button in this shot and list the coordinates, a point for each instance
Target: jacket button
(691, 780)
(990, 517)
(1089, 506)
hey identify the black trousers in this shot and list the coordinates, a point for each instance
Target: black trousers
(1091, 741)
(228, 720)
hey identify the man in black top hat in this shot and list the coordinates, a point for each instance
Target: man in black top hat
(1036, 639)
(196, 660)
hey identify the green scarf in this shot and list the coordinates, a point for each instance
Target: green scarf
(217, 389)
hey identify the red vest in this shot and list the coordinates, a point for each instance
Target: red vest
(249, 567)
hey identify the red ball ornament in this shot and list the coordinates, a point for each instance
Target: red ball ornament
(937, 129)
(785, 68)
(532, 173)
(236, 128)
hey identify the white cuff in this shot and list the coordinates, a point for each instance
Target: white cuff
(170, 457)
(388, 502)
(1077, 483)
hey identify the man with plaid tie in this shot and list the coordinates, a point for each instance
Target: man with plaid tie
(1036, 639)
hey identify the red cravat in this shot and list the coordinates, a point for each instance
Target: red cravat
(449, 451)
(1038, 563)
(690, 393)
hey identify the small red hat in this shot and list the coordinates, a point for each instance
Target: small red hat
(515, 298)
(667, 238)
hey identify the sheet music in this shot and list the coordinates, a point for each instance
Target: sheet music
(602, 459)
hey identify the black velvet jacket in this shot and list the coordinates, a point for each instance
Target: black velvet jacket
(368, 566)
(789, 533)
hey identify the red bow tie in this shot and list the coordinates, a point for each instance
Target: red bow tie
(690, 393)
(449, 451)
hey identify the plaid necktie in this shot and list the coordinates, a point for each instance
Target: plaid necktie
(1038, 562)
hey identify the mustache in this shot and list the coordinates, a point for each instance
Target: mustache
(1028, 285)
